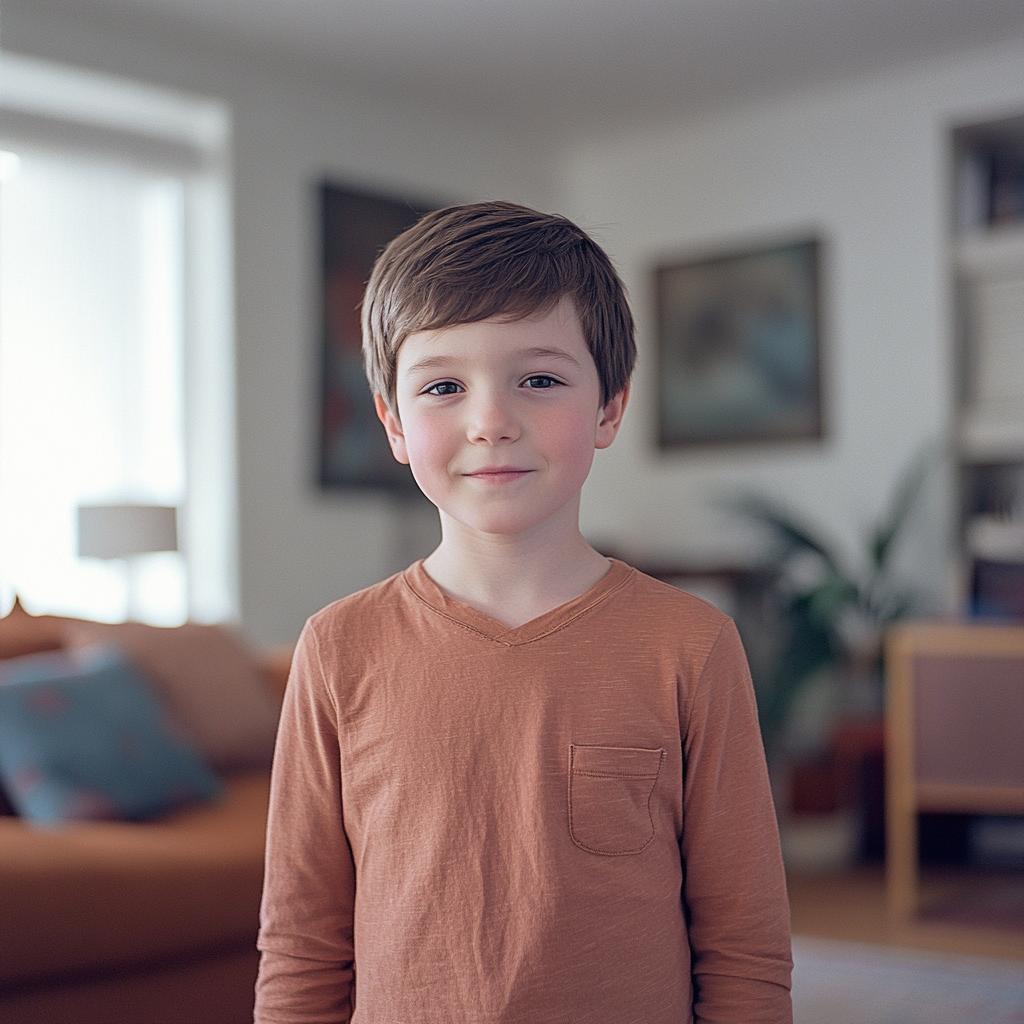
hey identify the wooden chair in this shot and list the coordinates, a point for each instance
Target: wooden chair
(954, 735)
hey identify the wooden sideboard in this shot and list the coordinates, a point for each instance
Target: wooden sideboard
(954, 735)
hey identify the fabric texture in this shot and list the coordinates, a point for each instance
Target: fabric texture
(106, 896)
(82, 737)
(206, 677)
(22, 633)
(568, 821)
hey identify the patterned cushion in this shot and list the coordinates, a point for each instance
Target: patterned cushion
(82, 737)
(206, 677)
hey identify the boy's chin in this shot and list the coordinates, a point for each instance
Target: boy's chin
(509, 524)
(489, 526)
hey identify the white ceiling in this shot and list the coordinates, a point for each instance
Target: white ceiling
(578, 64)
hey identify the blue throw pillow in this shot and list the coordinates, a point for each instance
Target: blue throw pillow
(82, 736)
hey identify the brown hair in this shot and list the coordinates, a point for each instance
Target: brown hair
(464, 264)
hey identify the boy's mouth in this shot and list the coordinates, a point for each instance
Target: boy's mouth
(498, 474)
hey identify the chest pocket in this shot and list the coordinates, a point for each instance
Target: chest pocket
(610, 790)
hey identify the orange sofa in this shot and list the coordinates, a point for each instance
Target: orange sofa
(145, 922)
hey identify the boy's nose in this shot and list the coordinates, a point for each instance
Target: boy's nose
(492, 422)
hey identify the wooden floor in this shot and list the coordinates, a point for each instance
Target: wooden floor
(851, 905)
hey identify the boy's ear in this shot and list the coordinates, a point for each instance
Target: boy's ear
(610, 418)
(393, 428)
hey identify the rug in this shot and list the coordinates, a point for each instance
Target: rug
(849, 983)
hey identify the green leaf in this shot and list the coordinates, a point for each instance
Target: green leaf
(904, 500)
(806, 649)
(792, 534)
(826, 602)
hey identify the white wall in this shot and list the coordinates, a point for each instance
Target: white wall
(865, 166)
(299, 548)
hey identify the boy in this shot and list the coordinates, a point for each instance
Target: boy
(518, 782)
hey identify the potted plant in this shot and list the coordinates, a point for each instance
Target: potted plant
(828, 615)
(814, 635)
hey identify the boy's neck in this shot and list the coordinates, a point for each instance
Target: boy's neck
(514, 578)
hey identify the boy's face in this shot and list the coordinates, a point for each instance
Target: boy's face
(499, 421)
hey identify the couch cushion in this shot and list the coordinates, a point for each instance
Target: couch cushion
(21, 633)
(82, 736)
(95, 895)
(206, 677)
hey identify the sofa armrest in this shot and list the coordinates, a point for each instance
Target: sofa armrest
(106, 895)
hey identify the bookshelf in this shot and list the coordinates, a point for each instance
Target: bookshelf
(988, 271)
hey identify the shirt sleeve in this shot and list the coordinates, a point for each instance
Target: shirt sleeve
(306, 920)
(735, 885)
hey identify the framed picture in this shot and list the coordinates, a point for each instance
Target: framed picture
(356, 227)
(739, 347)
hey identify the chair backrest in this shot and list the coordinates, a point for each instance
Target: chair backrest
(956, 693)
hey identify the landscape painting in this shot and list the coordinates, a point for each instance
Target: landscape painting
(739, 347)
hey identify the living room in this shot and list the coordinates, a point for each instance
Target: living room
(849, 145)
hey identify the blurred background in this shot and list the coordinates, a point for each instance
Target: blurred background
(669, 130)
(166, 258)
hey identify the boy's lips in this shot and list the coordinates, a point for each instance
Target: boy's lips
(498, 474)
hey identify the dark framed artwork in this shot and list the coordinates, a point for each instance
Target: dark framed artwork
(356, 227)
(739, 347)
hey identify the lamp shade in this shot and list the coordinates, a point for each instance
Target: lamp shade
(120, 531)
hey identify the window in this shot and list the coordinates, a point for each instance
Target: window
(115, 342)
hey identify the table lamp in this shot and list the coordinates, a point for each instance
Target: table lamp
(126, 532)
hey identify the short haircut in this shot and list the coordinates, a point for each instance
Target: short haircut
(464, 264)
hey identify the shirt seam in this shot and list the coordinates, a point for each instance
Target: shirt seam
(614, 775)
(540, 636)
(703, 672)
(323, 678)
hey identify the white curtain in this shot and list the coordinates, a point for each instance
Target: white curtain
(91, 376)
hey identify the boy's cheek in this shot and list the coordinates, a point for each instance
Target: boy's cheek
(425, 442)
(429, 468)
(427, 450)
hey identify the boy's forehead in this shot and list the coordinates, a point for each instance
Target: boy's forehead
(561, 313)
(551, 331)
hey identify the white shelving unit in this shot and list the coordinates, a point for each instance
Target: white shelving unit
(988, 265)
(990, 269)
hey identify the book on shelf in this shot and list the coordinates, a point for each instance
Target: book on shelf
(997, 590)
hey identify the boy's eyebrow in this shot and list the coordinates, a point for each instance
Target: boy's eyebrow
(430, 363)
(538, 352)
(555, 353)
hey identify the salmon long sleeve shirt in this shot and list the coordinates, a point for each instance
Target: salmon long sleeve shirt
(560, 823)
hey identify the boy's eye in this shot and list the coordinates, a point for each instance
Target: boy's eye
(540, 380)
(444, 387)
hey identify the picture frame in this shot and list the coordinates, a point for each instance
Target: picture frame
(356, 226)
(739, 347)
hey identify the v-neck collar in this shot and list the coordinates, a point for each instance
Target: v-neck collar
(427, 591)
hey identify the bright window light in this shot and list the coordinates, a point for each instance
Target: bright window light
(116, 340)
(91, 378)
(9, 164)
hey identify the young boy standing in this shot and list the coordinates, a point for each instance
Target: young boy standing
(518, 782)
